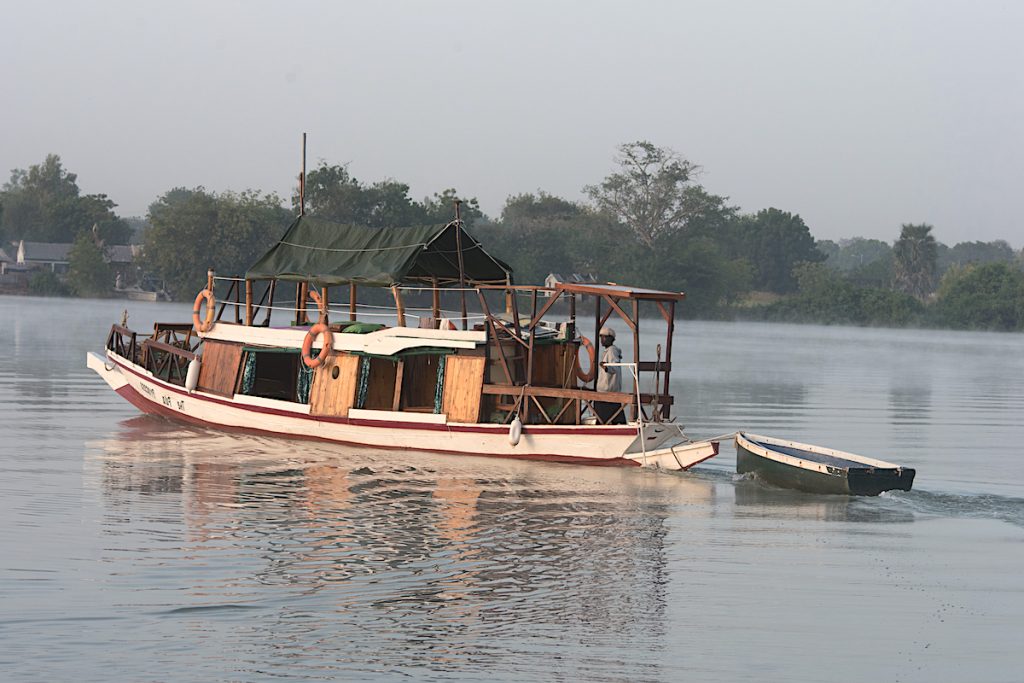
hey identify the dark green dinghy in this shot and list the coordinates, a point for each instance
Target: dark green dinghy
(816, 469)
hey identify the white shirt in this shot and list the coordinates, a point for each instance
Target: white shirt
(610, 379)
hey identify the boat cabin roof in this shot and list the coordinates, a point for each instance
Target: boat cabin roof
(619, 291)
(326, 253)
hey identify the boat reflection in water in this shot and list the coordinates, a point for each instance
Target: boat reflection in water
(449, 560)
(756, 498)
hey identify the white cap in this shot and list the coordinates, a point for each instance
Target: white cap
(607, 332)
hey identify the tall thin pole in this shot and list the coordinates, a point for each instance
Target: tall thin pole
(435, 302)
(302, 180)
(462, 269)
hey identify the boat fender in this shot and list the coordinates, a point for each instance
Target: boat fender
(515, 431)
(211, 305)
(307, 345)
(590, 374)
(192, 376)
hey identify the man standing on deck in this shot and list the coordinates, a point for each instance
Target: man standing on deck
(609, 378)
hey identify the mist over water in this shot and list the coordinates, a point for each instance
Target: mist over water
(133, 548)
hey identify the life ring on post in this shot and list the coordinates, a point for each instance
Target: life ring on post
(211, 305)
(307, 345)
(590, 374)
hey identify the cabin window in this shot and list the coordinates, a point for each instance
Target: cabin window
(276, 373)
(422, 378)
(411, 382)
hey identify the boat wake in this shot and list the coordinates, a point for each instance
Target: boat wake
(974, 506)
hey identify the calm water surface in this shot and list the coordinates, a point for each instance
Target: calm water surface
(136, 549)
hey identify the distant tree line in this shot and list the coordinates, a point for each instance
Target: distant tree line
(649, 222)
(915, 281)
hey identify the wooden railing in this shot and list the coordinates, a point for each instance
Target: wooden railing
(180, 335)
(168, 362)
(124, 343)
(564, 400)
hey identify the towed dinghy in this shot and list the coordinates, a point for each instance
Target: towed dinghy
(815, 469)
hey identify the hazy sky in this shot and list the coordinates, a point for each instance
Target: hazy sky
(859, 116)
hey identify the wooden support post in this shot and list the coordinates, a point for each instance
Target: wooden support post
(352, 301)
(462, 267)
(399, 306)
(396, 402)
(435, 302)
(533, 336)
(465, 316)
(515, 316)
(248, 303)
(597, 337)
(238, 302)
(622, 313)
(636, 355)
(325, 299)
(494, 339)
(270, 301)
(666, 409)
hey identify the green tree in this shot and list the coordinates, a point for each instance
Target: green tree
(989, 296)
(333, 193)
(192, 230)
(533, 235)
(440, 209)
(825, 296)
(652, 193)
(965, 253)
(858, 252)
(914, 255)
(774, 242)
(43, 204)
(46, 283)
(89, 273)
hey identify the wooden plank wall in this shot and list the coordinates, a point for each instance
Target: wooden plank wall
(553, 365)
(380, 391)
(334, 386)
(221, 362)
(463, 379)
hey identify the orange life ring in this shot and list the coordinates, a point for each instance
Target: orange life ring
(590, 374)
(211, 305)
(307, 345)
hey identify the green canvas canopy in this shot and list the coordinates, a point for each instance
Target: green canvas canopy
(327, 253)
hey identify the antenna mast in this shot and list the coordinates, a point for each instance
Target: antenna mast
(302, 180)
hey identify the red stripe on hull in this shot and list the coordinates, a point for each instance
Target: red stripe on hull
(392, 424)
(714, 446)
(128, 393)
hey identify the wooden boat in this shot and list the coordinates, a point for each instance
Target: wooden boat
(815, 469)
(509, 383)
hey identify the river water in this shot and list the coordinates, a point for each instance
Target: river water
(137, 549)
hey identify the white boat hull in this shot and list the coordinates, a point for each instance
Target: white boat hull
(588, 444)
(680, 456)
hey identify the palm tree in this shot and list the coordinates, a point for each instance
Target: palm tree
(914, 260)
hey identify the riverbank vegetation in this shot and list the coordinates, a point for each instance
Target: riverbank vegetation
(648, 222)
